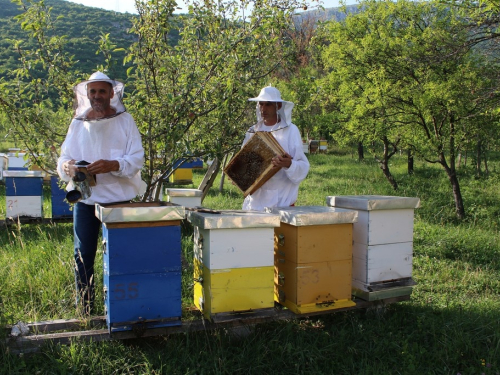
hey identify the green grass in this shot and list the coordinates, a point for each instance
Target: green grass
(451, 325)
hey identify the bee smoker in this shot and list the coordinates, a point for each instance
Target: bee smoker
(82, 181)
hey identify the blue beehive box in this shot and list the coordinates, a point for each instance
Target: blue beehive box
(60, 207)
(142, 264)
(190, 163)
(23, 183)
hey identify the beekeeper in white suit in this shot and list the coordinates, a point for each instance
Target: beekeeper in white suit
(275, 115)
(103, 134)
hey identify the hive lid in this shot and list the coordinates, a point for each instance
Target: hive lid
(314, 215)
(184, 192)
(10, 173)
(372, 202)
(139, 211)
(226, 219)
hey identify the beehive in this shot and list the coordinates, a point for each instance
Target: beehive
(251, 167)
(185, 197)
(23, 193)
(142, 264)
(233, 261)
(60, 207)
(382, 244)
(313, 258)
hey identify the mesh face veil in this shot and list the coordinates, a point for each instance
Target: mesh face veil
(272, 94)
(83, 102)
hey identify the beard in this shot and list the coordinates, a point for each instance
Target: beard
(99, 105)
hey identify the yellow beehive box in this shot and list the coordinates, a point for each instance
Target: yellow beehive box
(232, 289)
(313, 258)
(182, 176)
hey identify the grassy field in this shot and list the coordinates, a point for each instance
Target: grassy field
(451, 325)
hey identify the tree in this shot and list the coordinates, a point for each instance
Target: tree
(399, 76)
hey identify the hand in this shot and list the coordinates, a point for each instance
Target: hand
(283, 161)
(69, 168)
(103, 166)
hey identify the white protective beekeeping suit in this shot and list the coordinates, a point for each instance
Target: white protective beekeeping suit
(114, 137)
(282, 189)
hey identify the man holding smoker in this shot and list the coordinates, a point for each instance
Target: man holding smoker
(103, 134)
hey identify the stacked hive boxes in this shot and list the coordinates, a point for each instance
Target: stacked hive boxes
(233, 261)
(313, 258)
(142, 264)
(382, 244)
(23, 193)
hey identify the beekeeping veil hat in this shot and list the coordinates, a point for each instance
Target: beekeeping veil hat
(272, 94)
(83, 102)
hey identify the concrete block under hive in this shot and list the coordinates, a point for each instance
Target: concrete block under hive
(251, 167)
(313, 258)
(382, 244)
(23, 193)
(142, 264)
(185, 197)
(233, 261)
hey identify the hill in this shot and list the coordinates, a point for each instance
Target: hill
(83, 27)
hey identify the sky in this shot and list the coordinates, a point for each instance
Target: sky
(128, 5)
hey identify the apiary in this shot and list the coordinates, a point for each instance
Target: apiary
(23, 193)
(382, 244)
(313, 258)
(60, 207)
(142, 264)
(185, 197)
(251, 167)
(233, 261)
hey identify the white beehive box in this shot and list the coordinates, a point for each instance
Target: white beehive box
(382, 244)
(16, 159)
(185, 197)
(23, 206)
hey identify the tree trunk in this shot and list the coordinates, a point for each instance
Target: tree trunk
(384, 163)
(485, 158)
(457, 195)
(410, 162)
(361, 152)
(478, 157)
